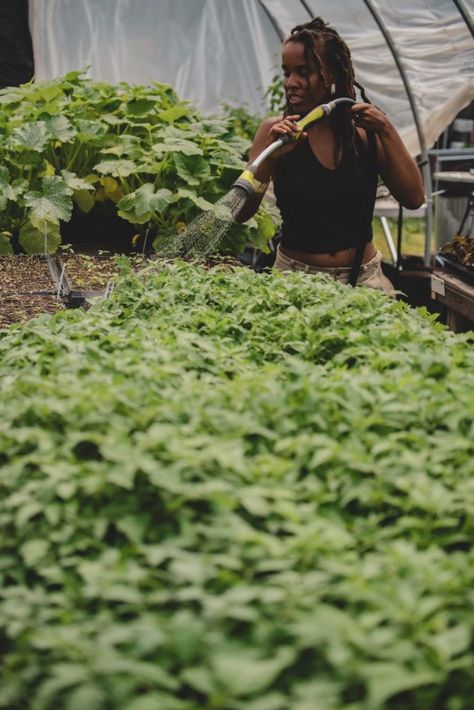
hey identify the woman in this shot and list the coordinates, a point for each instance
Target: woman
(325, 183)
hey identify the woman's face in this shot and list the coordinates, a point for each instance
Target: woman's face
(303, 86)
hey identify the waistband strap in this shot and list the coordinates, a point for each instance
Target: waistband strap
(332, 270)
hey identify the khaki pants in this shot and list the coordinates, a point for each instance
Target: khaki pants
(370, 275)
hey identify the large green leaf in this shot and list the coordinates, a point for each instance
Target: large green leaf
(200, 202)
(116, 168)
(192, 168)
(60, 128)
(176, 144)
(52, 204)
(140, 107)
(144, 202)
(90, 131)
(5, 245)
(48, 91)
(75, 182)
(31, 136)
(39, 241)
(10, 191)
(174, 113)
(84, 199)
(129, 146)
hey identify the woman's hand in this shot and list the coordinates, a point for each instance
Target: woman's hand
(285, 127)
(270, 130)
(371, 118)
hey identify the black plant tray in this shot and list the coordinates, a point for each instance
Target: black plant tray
(467, 272)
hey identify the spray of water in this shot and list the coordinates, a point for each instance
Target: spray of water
(203, 235)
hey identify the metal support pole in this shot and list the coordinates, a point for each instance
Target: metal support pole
(389, 240)
(273, 21)
(464, 12)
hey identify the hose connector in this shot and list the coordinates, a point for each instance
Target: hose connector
(329, 107)
(248, 182)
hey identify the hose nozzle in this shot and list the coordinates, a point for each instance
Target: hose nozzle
(248, 182)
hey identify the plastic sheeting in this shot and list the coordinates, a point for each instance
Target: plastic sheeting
(216, 51)
(210, 52)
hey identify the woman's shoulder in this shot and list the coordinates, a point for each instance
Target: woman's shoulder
(265, 126)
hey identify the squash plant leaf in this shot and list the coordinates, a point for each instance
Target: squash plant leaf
(48, 91)
(84, 199)
(52, 204)
(174, 140)
(35, 240)
(90, 131)
(60, 128)
(125, 146)
(30, 136)
(195, 199)
(111, 188)
(145, 201)
(6, 247)
(192, 168)
(174, 113)
(117, 168)
(75, 182)
(10, 190)
(139, 107)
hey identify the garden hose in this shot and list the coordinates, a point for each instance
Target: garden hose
(247, 179)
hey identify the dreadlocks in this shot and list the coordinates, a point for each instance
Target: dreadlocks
(324, 48)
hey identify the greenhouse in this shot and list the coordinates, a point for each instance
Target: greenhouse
(236, 470)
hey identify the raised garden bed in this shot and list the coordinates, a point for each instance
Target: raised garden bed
(267, 504)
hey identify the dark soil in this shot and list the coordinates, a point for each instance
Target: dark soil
(20, 278)
(24, 274)
(19, 309)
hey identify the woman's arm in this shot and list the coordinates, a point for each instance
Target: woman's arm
(269, 131)
(397, 168)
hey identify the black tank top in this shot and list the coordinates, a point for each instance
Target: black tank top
(324, 211)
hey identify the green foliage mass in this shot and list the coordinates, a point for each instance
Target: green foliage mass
(234, 491)
(133, 150)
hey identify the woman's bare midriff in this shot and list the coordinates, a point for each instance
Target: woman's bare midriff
(339, 258)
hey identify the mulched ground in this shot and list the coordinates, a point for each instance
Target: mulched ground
(24, 274)
(21, 277)
(19, 309)
(85, 271)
